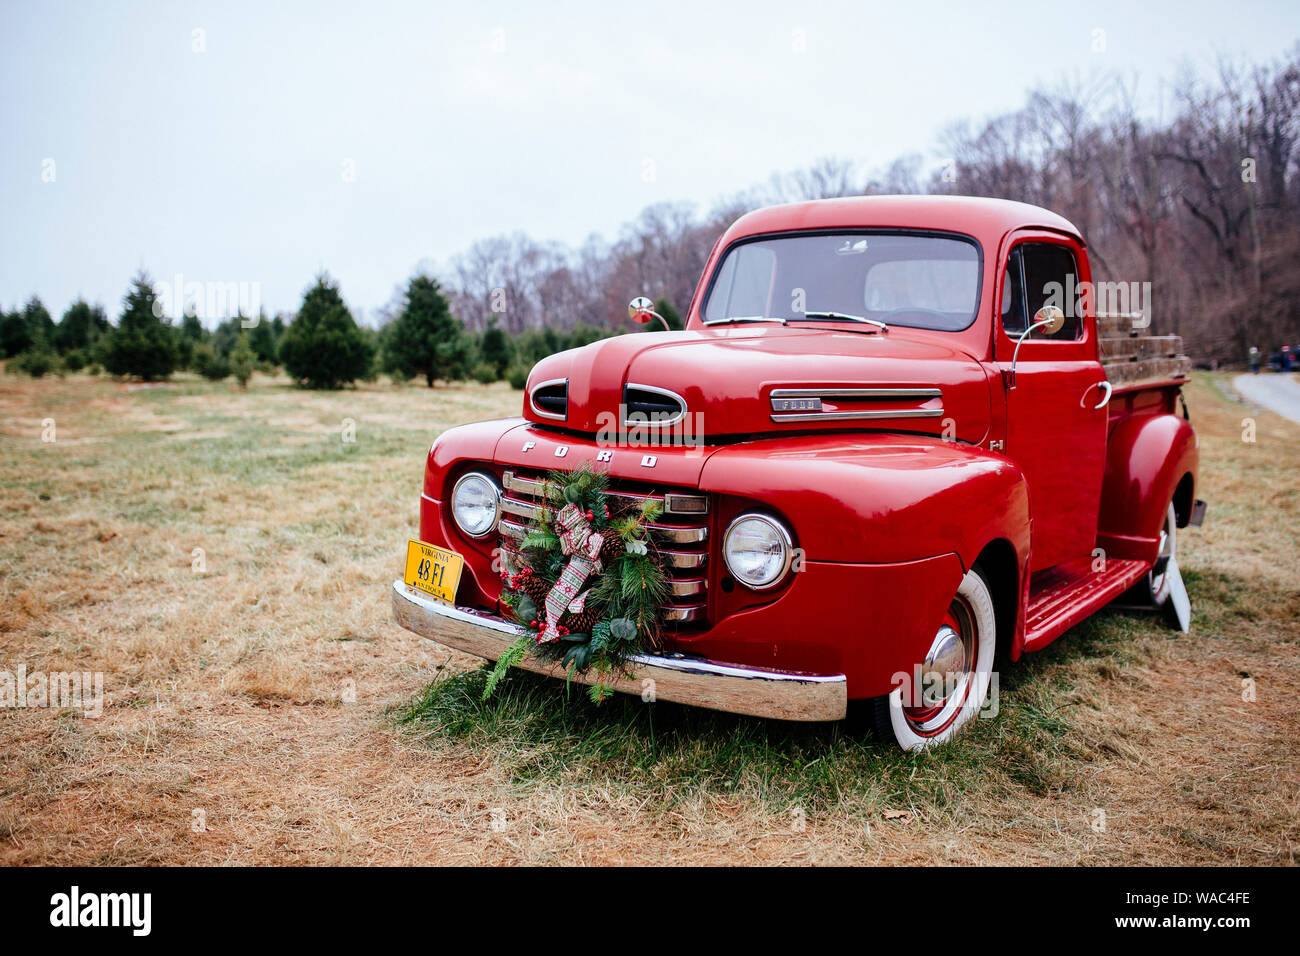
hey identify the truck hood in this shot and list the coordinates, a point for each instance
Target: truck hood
(823, 379)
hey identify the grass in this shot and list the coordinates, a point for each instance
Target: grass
(260, 682)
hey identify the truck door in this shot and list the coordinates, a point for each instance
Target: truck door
(1055, 432)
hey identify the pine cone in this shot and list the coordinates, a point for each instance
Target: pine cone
(534, 587)
(579, 622)
(610, 549)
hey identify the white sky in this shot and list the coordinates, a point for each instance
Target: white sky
(228, 165)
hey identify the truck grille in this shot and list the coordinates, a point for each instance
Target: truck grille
(681, 534)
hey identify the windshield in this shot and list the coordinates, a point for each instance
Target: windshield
(922, 281)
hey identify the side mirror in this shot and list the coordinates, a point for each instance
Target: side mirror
(642, 310)
(1050, 319)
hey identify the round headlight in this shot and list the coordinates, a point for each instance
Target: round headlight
(475, 503)
(758, 550)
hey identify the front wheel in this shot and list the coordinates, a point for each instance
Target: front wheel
(950, 685)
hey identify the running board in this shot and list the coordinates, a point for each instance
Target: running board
(1063, 596)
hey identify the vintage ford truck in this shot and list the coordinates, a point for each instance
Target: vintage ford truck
(887, 454)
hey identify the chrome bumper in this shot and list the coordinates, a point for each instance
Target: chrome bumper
(755, 691)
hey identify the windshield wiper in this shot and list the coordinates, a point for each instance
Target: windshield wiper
(742, 318)
(840, 317)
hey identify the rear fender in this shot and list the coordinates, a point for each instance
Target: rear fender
(1146, 458)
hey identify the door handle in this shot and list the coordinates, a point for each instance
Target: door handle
(1106, 399)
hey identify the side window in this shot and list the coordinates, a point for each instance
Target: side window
(1051, 278)
(1013, 295)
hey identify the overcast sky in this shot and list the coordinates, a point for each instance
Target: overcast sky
(286, 137)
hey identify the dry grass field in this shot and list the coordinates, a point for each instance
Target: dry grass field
(262, 708)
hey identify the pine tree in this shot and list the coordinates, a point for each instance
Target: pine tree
(323, 347)
(14, 337)
(494, 349)
(242, 360)
(40, 327)
(80, 327)
(144, 342)
(261, 340)
(671, 315)
(425, 338)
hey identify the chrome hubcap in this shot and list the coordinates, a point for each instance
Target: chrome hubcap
(946, 660)
(945, 675)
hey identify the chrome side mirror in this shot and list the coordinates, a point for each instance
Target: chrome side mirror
(642, 310)
(1050, 319)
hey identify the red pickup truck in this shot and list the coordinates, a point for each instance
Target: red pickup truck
(883, 455)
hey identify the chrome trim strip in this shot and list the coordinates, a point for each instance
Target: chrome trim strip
(551, 415)
(533, 488)
(684, 559)
(755, 691)
(856, 416)
(521, 509)
(691, 612)
(858, 393)
(686, 587)
(855, 393)
(660, 422)
(661, 532)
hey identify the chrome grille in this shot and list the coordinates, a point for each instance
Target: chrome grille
(681, 533)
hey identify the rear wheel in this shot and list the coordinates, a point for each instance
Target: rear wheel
(954, 677)
(1159, 582)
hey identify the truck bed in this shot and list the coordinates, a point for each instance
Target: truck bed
(1134, 359)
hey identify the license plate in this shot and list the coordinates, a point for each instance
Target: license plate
(435, 571)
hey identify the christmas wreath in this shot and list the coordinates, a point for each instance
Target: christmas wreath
(587, 581)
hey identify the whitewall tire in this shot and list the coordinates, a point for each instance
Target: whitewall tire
(963, 650)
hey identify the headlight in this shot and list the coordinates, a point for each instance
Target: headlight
(476, 503)
(758, 550)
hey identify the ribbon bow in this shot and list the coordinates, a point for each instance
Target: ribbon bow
(582, 545)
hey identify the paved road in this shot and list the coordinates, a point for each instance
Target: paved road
(1281, 393)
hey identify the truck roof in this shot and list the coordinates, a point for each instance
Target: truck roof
(985, 219)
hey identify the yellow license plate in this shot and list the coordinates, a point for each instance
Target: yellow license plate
(435, 571)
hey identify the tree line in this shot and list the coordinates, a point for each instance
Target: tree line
(1200, 197)
(1202, 202)
(321, 346)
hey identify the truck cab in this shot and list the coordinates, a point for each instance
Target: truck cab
(893, 445)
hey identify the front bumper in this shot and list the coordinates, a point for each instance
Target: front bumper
(755, 691)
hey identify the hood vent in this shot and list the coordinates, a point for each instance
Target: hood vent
(551, 399)
(647, 405)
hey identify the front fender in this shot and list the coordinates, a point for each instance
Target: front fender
(1146, 458)
(880, 498)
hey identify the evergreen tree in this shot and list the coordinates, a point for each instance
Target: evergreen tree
(39, 324)
(495, 350)
(425, 338)
(261, 340)
(190, 336)
(242, 361)
(144, 342)
(80, 327)
(14, 337)
(671, 316)
(323, 347)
